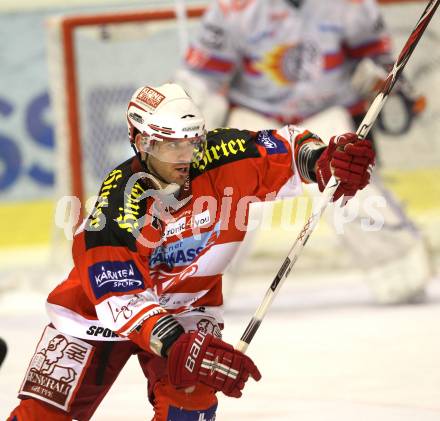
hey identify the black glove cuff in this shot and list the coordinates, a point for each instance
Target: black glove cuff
(308, 155)
(165, 332)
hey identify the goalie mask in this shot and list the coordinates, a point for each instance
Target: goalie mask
(172, 127)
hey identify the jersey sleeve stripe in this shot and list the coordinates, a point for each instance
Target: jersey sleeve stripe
(198, 60)
(333, 60)
(370, 49)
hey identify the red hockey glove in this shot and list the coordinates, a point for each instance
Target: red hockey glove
(348, 158)
(199, 357)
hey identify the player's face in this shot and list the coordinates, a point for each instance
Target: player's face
(169, 172)
(171, 159)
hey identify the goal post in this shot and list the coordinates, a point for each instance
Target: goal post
(71, 37)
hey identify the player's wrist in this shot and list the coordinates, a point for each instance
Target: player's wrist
(313, 159)
(166, 331)
(157, 334)
(308, 149)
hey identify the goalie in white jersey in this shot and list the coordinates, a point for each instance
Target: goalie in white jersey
(289, 61)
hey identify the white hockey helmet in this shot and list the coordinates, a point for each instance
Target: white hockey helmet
(171, 125)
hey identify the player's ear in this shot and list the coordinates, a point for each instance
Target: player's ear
(140, 142)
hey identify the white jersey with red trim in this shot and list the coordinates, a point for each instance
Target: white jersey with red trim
(284, 61)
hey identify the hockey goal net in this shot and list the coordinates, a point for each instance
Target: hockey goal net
(98, 60)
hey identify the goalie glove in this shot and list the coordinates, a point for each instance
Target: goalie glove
(367, 80)
(349, 159)
(198, 357)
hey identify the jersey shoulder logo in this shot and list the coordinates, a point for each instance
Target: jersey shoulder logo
(224, 146)
(272, 144)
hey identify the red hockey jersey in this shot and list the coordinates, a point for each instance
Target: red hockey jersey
(136, 257)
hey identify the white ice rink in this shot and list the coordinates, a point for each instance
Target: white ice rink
(326, 353)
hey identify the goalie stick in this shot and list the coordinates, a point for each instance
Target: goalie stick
(332, 185)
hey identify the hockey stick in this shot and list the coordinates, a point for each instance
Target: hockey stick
(332, 185)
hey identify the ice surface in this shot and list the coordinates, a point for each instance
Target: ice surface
(325, 352)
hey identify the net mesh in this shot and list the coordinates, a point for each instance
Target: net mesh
(113, 61)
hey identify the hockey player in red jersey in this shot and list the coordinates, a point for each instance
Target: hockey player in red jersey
(148, 261)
